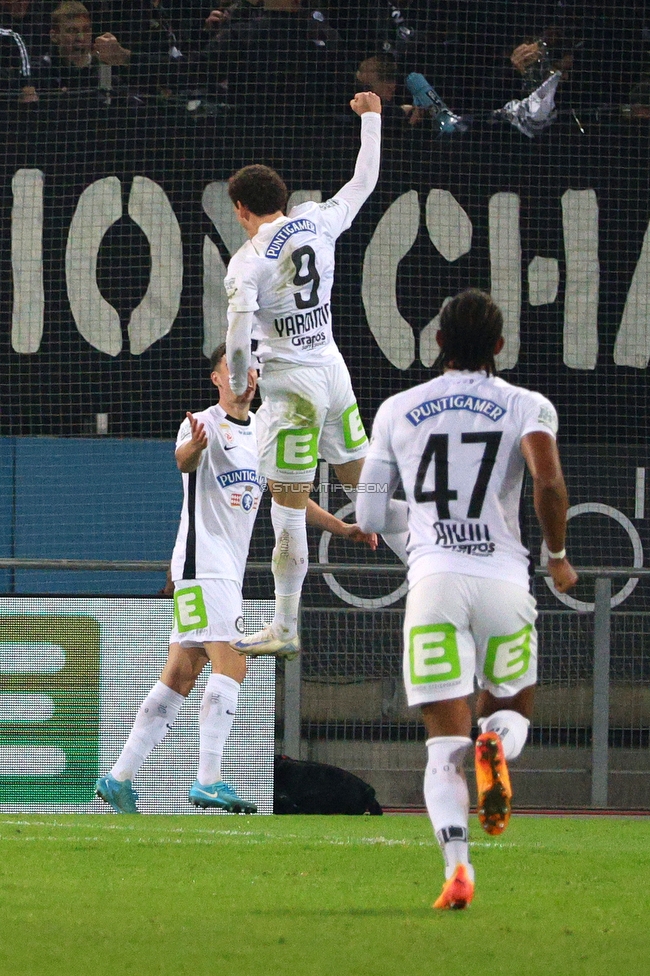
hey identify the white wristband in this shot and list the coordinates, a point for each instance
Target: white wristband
(557, 555)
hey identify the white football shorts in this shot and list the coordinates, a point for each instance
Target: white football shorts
(458, 628)
(307, 412)
(206, 610)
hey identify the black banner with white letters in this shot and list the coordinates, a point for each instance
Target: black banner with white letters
(116, 229)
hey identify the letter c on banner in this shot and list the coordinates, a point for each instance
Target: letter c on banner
(393, 238)
(598, 508)
(367, 602)
(99, 207)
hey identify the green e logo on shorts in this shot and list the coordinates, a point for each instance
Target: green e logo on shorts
(354, 433)
(508, 657)
(433, 653)
(297, 449)
(189, 609)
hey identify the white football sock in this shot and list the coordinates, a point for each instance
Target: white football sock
(155, 717)
(217, 714)
(512, 728)
(447, 799)
(290, 561)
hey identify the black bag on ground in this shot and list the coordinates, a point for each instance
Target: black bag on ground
(312, 787)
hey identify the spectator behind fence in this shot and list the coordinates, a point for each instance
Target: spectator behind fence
(229, 14)
(378, 74)
(73, 60)
(146, 28)
(374, 27)
(599, 49)
(164, 41)
(283, 65)
(24, 37)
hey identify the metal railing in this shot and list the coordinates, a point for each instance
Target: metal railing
(602, 577)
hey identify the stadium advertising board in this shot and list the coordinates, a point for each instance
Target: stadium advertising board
(72, 675)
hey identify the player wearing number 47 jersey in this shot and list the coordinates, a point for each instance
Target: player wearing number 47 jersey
(279, 288)
(216, 450)
(460, 444)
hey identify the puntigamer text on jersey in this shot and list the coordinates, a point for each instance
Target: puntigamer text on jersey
(241, 475)
(462, 401)
(279, 240)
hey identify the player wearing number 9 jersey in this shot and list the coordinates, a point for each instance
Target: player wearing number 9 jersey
(459, 444)
(279, 288)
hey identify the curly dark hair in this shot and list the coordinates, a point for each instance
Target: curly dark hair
(259, 188)
(470, 326)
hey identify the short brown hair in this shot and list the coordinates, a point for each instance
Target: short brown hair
(259, 188)
(68, 10)
(217, 356)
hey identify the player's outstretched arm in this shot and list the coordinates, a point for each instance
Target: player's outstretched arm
(188, 454)
(326, 522)
(366, 171)
(551, 502)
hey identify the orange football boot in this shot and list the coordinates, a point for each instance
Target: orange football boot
(492, 783)
(457, 892)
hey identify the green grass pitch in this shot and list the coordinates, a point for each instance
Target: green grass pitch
(318, 896)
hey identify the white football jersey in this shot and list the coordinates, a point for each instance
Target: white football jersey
(221, 499)
(456, 443)
(284, 275)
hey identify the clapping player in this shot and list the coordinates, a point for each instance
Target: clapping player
(216, 450)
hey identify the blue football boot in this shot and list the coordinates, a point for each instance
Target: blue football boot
(219, 795)
(120, 795)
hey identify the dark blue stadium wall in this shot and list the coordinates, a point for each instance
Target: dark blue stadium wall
(86, 498)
